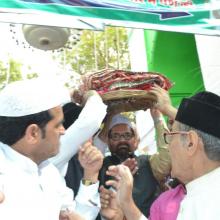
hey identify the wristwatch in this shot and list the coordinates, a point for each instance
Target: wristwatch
(87, 182)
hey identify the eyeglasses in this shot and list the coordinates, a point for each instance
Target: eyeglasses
(126, 136)
(168, 136)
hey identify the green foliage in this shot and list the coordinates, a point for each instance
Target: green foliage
(32, 75)
(99, 50)
(10, 72)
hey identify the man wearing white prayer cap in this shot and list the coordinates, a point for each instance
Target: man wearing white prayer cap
(123, 141)
(31, 120)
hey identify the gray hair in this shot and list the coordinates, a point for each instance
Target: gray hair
(211, 143)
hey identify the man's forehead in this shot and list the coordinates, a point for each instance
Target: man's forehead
(121, 127)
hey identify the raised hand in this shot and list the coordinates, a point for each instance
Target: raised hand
(91, 160)
(110, 208)
(80, 97)
(76, 96)
(132, 164)
(122, 183)
(163, 101)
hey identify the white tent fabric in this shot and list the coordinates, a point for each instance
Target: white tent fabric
(144, 122)
(208, 48)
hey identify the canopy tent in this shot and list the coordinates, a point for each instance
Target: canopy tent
(190, 16)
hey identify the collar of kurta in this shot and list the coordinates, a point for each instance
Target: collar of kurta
(20, 161)
(200, 184)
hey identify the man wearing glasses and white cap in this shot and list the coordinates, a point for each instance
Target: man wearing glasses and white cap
(31, 124)
(148, 170)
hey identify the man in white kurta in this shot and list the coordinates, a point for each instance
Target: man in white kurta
(33, 187)
(22, 182)
(202, 199)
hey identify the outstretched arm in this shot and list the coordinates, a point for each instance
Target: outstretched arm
(80, 131)
(160, 161)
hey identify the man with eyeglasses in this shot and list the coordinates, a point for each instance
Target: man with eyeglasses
(194, 146)
(147, 170)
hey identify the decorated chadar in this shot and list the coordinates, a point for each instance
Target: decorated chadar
(125, 90)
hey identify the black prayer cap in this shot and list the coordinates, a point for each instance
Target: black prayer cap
(202, 112)
(71, 112)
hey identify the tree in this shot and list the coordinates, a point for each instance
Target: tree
(9, 72)
(30, 74)
(12, 71)
(98, 50)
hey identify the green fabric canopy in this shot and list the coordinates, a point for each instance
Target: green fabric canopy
(189, 16)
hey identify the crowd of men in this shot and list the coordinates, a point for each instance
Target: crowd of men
(50, 168)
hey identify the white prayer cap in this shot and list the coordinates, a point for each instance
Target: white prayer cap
(119, 119)
(31, 96)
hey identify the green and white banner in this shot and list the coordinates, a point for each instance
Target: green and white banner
(190, 16)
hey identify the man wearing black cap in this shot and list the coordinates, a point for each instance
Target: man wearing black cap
(194, 146)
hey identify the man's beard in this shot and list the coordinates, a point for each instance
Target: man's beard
(123, 152)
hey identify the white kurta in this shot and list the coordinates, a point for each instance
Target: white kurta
(80, 131)
(39, 192)
(202, 201)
